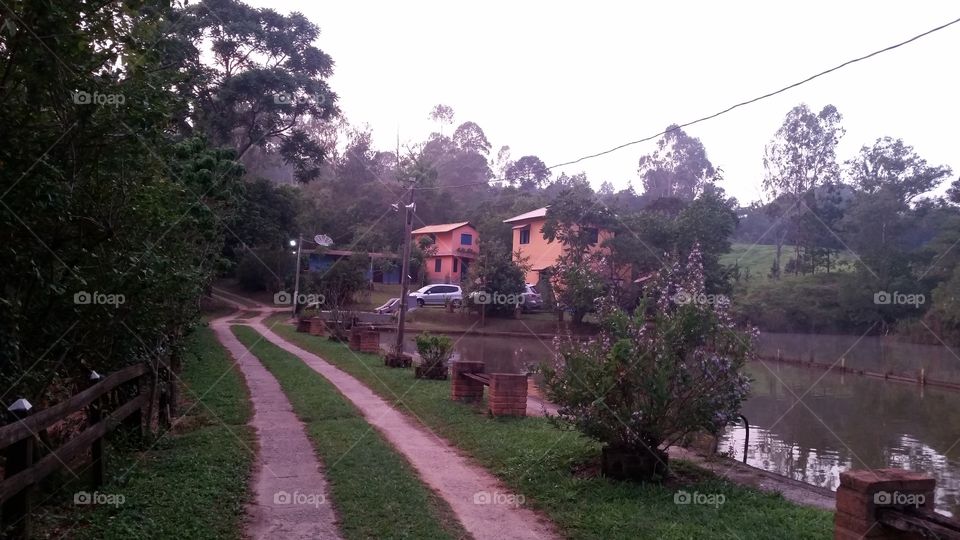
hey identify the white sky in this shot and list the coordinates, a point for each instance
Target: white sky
(564, 79)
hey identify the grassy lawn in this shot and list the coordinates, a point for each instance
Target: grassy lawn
(757, 260)
(193, 482)
(539, 460)
(375, 491)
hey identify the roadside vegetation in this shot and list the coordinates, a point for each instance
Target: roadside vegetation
(191, 482)
(375, 491)
(557, 470)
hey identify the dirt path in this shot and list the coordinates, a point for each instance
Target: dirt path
(485, 507)
(291, 499)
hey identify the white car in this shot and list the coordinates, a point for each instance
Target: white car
(438, 295)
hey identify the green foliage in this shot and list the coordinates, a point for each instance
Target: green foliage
(253, 77)
(265, 269)
(99, 201)
(645, 383)
(338, 284)
(678, 168)
(496, 274)
(434, 349)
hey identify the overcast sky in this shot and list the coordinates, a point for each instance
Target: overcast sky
(564, 79)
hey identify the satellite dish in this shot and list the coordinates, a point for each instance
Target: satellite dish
(323, 240)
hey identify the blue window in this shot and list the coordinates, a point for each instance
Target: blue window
(466, 239)
(437, 264)
(524, 236)
(455, 265)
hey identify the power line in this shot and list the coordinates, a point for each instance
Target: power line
(765, 96)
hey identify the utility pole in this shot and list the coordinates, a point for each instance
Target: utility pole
(296, 279)
(405, 272)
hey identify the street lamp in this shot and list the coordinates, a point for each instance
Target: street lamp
(296, 273)
(321, 240)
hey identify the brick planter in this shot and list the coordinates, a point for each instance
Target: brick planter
(463, 388)
(370, 340)
(317, 327)
(863, 492)
(303, 325)
(508, 394)
(355, 338)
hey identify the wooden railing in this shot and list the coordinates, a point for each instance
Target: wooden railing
(106, 407)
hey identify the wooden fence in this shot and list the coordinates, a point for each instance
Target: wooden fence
(125, 398)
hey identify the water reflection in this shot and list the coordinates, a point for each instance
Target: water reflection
(846, 421)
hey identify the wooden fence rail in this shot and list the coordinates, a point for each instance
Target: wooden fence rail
(22, 468)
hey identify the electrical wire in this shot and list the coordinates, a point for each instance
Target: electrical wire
(758, 98)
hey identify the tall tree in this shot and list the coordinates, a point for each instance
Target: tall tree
(801, 156)
(442, 115)
(255, 78)
(529, 172)
(679, 167)
(890, 164)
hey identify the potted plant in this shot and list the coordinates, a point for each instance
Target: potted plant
(434, 351)
(652, 377)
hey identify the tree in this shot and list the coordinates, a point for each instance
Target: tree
(111, 222)
(496, 279)
(801, 156)
(468, 137)
(894, 165)
(528, 172)
(646, 383)
(442, 114)
(679, 167)
(264, 79)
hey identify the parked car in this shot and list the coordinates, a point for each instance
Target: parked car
(532, 301)
(438, 295)
(530, 298)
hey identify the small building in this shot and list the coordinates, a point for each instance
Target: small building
(384, 267)
(541, 253)
(455, 247)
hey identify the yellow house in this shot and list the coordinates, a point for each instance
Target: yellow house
(457, 246)
(541, 253)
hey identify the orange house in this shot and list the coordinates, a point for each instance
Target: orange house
(456, 246)
(541, 253)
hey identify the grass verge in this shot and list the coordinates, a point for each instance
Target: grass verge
(376, 492)
(551, 467)
(192, 482)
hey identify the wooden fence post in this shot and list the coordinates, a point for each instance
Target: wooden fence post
(19, 457)
(133, 424)
(94, 414)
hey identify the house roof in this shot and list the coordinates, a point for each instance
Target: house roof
(443, 227)
(538, 213)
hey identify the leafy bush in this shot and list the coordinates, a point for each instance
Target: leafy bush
(435, 351)
(649, 380)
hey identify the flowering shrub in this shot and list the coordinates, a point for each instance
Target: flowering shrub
(650, 378)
